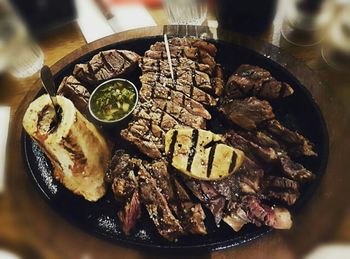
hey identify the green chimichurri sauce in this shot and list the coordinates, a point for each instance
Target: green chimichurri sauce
(113, 101)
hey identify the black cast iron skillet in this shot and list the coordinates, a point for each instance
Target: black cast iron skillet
(299, 112)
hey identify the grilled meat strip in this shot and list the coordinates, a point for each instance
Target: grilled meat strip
(106, 65)
(167, 225)
(190, 214)
(251, 80)
(161, 95)
(179, 65)
(154, 80)
(266, 149)
(209, 197)
(122, 174)
(247, 113)
(296, 143)
(147, 136)
(71, 88)
(249, 209)
(280, 188)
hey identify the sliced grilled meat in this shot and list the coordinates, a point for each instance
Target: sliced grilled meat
(156, 115)
(106, 65)
(261, 139)
(130, 213)
(250, 210)
(294, 170)
(162, 95)
(179, 65)
(71, 88)
(217, 80)
(189, 213)
(155, 80)
(195, 42)
(247, 113)
(192, 214)
(296, 143)
(158, 209)
(250, 149)
(251, 80)
(281, 188)
(146, 135)
(122, 174)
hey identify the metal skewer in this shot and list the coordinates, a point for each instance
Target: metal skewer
(169, 56)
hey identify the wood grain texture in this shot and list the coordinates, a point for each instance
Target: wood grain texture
(29, 226)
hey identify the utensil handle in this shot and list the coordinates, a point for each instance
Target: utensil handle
(101, 4)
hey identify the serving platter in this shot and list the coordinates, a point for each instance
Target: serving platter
(299, 112)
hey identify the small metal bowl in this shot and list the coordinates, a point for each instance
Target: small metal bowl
(121, 122)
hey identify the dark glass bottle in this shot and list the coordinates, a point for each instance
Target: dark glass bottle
(246, 16)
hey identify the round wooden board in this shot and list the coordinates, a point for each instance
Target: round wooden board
(311, 226)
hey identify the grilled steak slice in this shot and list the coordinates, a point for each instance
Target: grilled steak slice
(281, 188)
(180, 113)
(106, 65)
(250, 210)
(247, 113)
(294, 170)
(179, 65)
(197, 94)
(161, 95)
(130, 213)
(156, 115)
(261, 139)
(251, 80)
(146, 136)
(296, 143)
(250, 149)
(158, 209)
(217, 81)
(206, 193)
(195, 42)
(121, 174)
(71, 88)
(246, 180)
(192, 214)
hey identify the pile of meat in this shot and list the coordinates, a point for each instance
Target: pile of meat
(268, 175)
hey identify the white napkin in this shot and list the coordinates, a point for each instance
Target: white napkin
(4, 125)
(95, 26)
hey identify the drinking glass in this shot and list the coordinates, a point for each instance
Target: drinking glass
(306, 21)
(336, 47)
(19, 54)
(186, 12)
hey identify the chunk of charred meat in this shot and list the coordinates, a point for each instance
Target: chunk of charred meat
(250, 210)
(247, 113)
(251, 80)
(261, 139)
(211, 199)
(296, 143)
(217, 80)
(281, 188)
(147, 136)
(158, 209)
(294, 170)
(106, 65)
(122, 174)
(71, 88)
(191, 213)
(250, 149)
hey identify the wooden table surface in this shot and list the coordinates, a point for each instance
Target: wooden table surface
(23, 225)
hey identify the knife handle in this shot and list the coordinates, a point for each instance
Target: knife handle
(103, 6)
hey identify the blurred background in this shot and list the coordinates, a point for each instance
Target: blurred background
(38, 32)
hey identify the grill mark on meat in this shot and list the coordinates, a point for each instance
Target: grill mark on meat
(172, 145)
(192, 150)
(104, 60)
(91, 71)
(211, 159)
